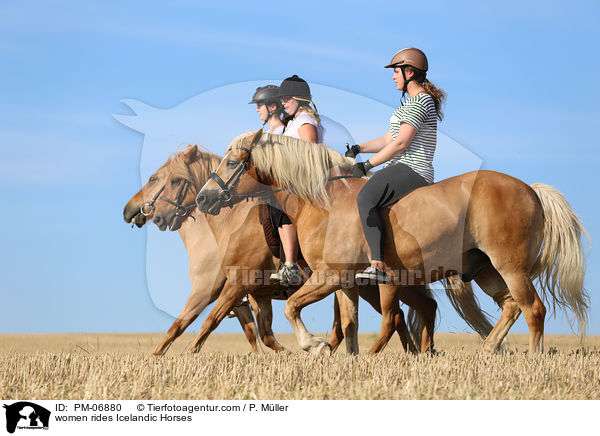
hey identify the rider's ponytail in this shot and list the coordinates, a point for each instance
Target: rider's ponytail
(438, 95)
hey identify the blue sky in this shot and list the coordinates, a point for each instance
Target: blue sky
(521, 97)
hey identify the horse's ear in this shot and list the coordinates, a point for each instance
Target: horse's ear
(192, 156)
(256, 137)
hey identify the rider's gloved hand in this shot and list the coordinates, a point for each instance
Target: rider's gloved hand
(352, 151)
(360, 169)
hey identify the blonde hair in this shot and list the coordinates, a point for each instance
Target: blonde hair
(304, 106)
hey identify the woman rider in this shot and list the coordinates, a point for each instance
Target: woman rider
(406, 149)
(269, 107)
(303, 122)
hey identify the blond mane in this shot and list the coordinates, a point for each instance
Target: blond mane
(194, 165)
(301, 166)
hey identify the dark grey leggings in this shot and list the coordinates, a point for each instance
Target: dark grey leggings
(383, 189)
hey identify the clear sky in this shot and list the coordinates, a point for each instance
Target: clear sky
(521, 97)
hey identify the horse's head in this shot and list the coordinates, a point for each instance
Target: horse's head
(188, 170)
(141, 206)
(235, 176)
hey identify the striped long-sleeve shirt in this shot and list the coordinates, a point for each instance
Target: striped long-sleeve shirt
(419, 112)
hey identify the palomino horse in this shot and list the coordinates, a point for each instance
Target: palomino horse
(207, 278)
(243, 246)
(485, 225)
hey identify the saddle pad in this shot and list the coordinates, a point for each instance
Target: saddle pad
(271, 233)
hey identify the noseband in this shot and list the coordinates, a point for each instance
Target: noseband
(149, 207)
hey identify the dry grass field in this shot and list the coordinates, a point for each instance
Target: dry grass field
(119, 366)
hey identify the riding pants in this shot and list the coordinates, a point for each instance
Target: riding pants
(383, 189)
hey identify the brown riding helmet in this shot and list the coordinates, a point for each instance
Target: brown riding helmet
(409, 57)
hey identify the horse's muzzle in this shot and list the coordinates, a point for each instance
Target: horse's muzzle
(208, 201)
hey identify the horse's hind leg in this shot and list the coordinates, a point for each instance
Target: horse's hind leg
(244, 316)
(523, 292)
(426, 307)
(491, 282)
(264, 317)
(389, 310)
(370, 294)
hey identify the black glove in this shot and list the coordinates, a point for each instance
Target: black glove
(352, 151)
(360, 169)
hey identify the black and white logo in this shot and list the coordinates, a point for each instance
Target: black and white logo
(26, 415)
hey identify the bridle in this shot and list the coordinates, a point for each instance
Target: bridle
(225, 196)
(180, 209)
(151, 203)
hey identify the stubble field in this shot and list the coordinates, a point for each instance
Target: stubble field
(120, 366)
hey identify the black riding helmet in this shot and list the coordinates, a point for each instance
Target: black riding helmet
(295, 87)
(267, 95)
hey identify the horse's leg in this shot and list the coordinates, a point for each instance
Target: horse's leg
(312, 291)
(195, 304)
(348, 299)
(337, 335)
(230, 296)
(264, 317)
(523, 292)
(389, 304)
(426, 307)
(492, 284)
(244, 316)
(371, 295)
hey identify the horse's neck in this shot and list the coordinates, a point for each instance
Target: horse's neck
(290, 204)
(191, 231)
(241, 217)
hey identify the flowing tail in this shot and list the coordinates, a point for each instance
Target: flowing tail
(465, 303)
(560, 266)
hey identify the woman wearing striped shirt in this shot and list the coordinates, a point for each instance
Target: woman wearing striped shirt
(406, 149)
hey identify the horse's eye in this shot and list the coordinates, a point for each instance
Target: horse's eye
(175, 182)
(152, 179)
(232, 163)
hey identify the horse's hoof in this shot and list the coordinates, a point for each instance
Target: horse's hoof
(322, 349)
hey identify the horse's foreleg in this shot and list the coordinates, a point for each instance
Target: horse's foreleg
(244, 316)
(264, 317)
(197, 301)
(337, 335)
(315, 289)
(230, 296)
(348, 299)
